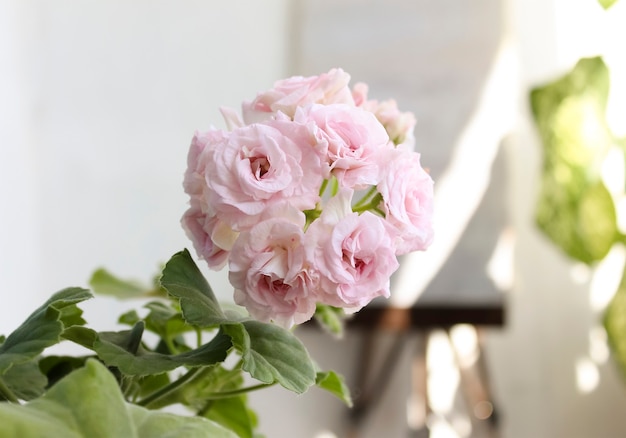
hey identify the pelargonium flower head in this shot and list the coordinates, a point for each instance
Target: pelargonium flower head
(355, 138)
(256, 197)
(289, 94)
(354, 255)
(407, 191)
(268, 269)
(254, 167)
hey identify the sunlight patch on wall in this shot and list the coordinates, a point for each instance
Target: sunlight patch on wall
(587, 375)
(459, 190)
(599, 351)
(606, 278)
(500, 268)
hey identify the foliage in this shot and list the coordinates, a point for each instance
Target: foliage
(606, 4)
(113, 390)
(575, 209)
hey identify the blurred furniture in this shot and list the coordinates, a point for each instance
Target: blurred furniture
(415, 324)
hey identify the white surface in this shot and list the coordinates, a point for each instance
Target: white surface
(99, 104)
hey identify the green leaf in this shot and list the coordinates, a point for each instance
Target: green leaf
(615, 324)
(153, 424)
(165, 321)
(116, 349)
(88, 403)
(57, 367)
(25, 380)
(208, 382)
(129, 318)
(272, 354)
(105, 283)
(606, 4)
(233, 414)
(335, 384)
(183, 280)
(42, 328)
(82, 336)
(330, 318)
(574, 208)
(151, 383)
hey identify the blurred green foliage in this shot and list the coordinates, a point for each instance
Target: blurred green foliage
(606, 4)
(575, 210)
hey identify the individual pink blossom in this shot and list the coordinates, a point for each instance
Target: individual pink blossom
(289, 94)
(194, 182)
(407, 191)
(353, 254)
(399, 125)
(212, 238)
(269, 271)
(359, 93)
(356, 141)
(255, 167)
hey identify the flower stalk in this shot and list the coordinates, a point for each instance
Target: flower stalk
(169, 389)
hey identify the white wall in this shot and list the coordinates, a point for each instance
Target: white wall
(98, 104)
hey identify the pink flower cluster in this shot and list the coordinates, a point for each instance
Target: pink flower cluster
(309, 197)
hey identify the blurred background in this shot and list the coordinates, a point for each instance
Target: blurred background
(99, 101)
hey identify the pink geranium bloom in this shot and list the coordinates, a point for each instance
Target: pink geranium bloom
(212, 238)
(289, 94)
(269, 271)
(194, 182)
(399, 125)
(355, 140)
(407, 191)
(255, 167)
(353, 254)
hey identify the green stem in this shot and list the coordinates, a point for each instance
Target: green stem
(204, 409)
(126, 386)
(198, 337)
(7, 394)
(323, 187)
(170, 345)
(168, 389)
(366, 198)
(227, 394)
(335, 187)
(373, 206)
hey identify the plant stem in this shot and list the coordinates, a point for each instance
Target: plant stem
(373, 206)
(198, 337)
(334, 188)
(366, 198)
(204, 409)
(226, 394)
(7, 394)
(323, 187)
(168, 389)
(170, 345)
